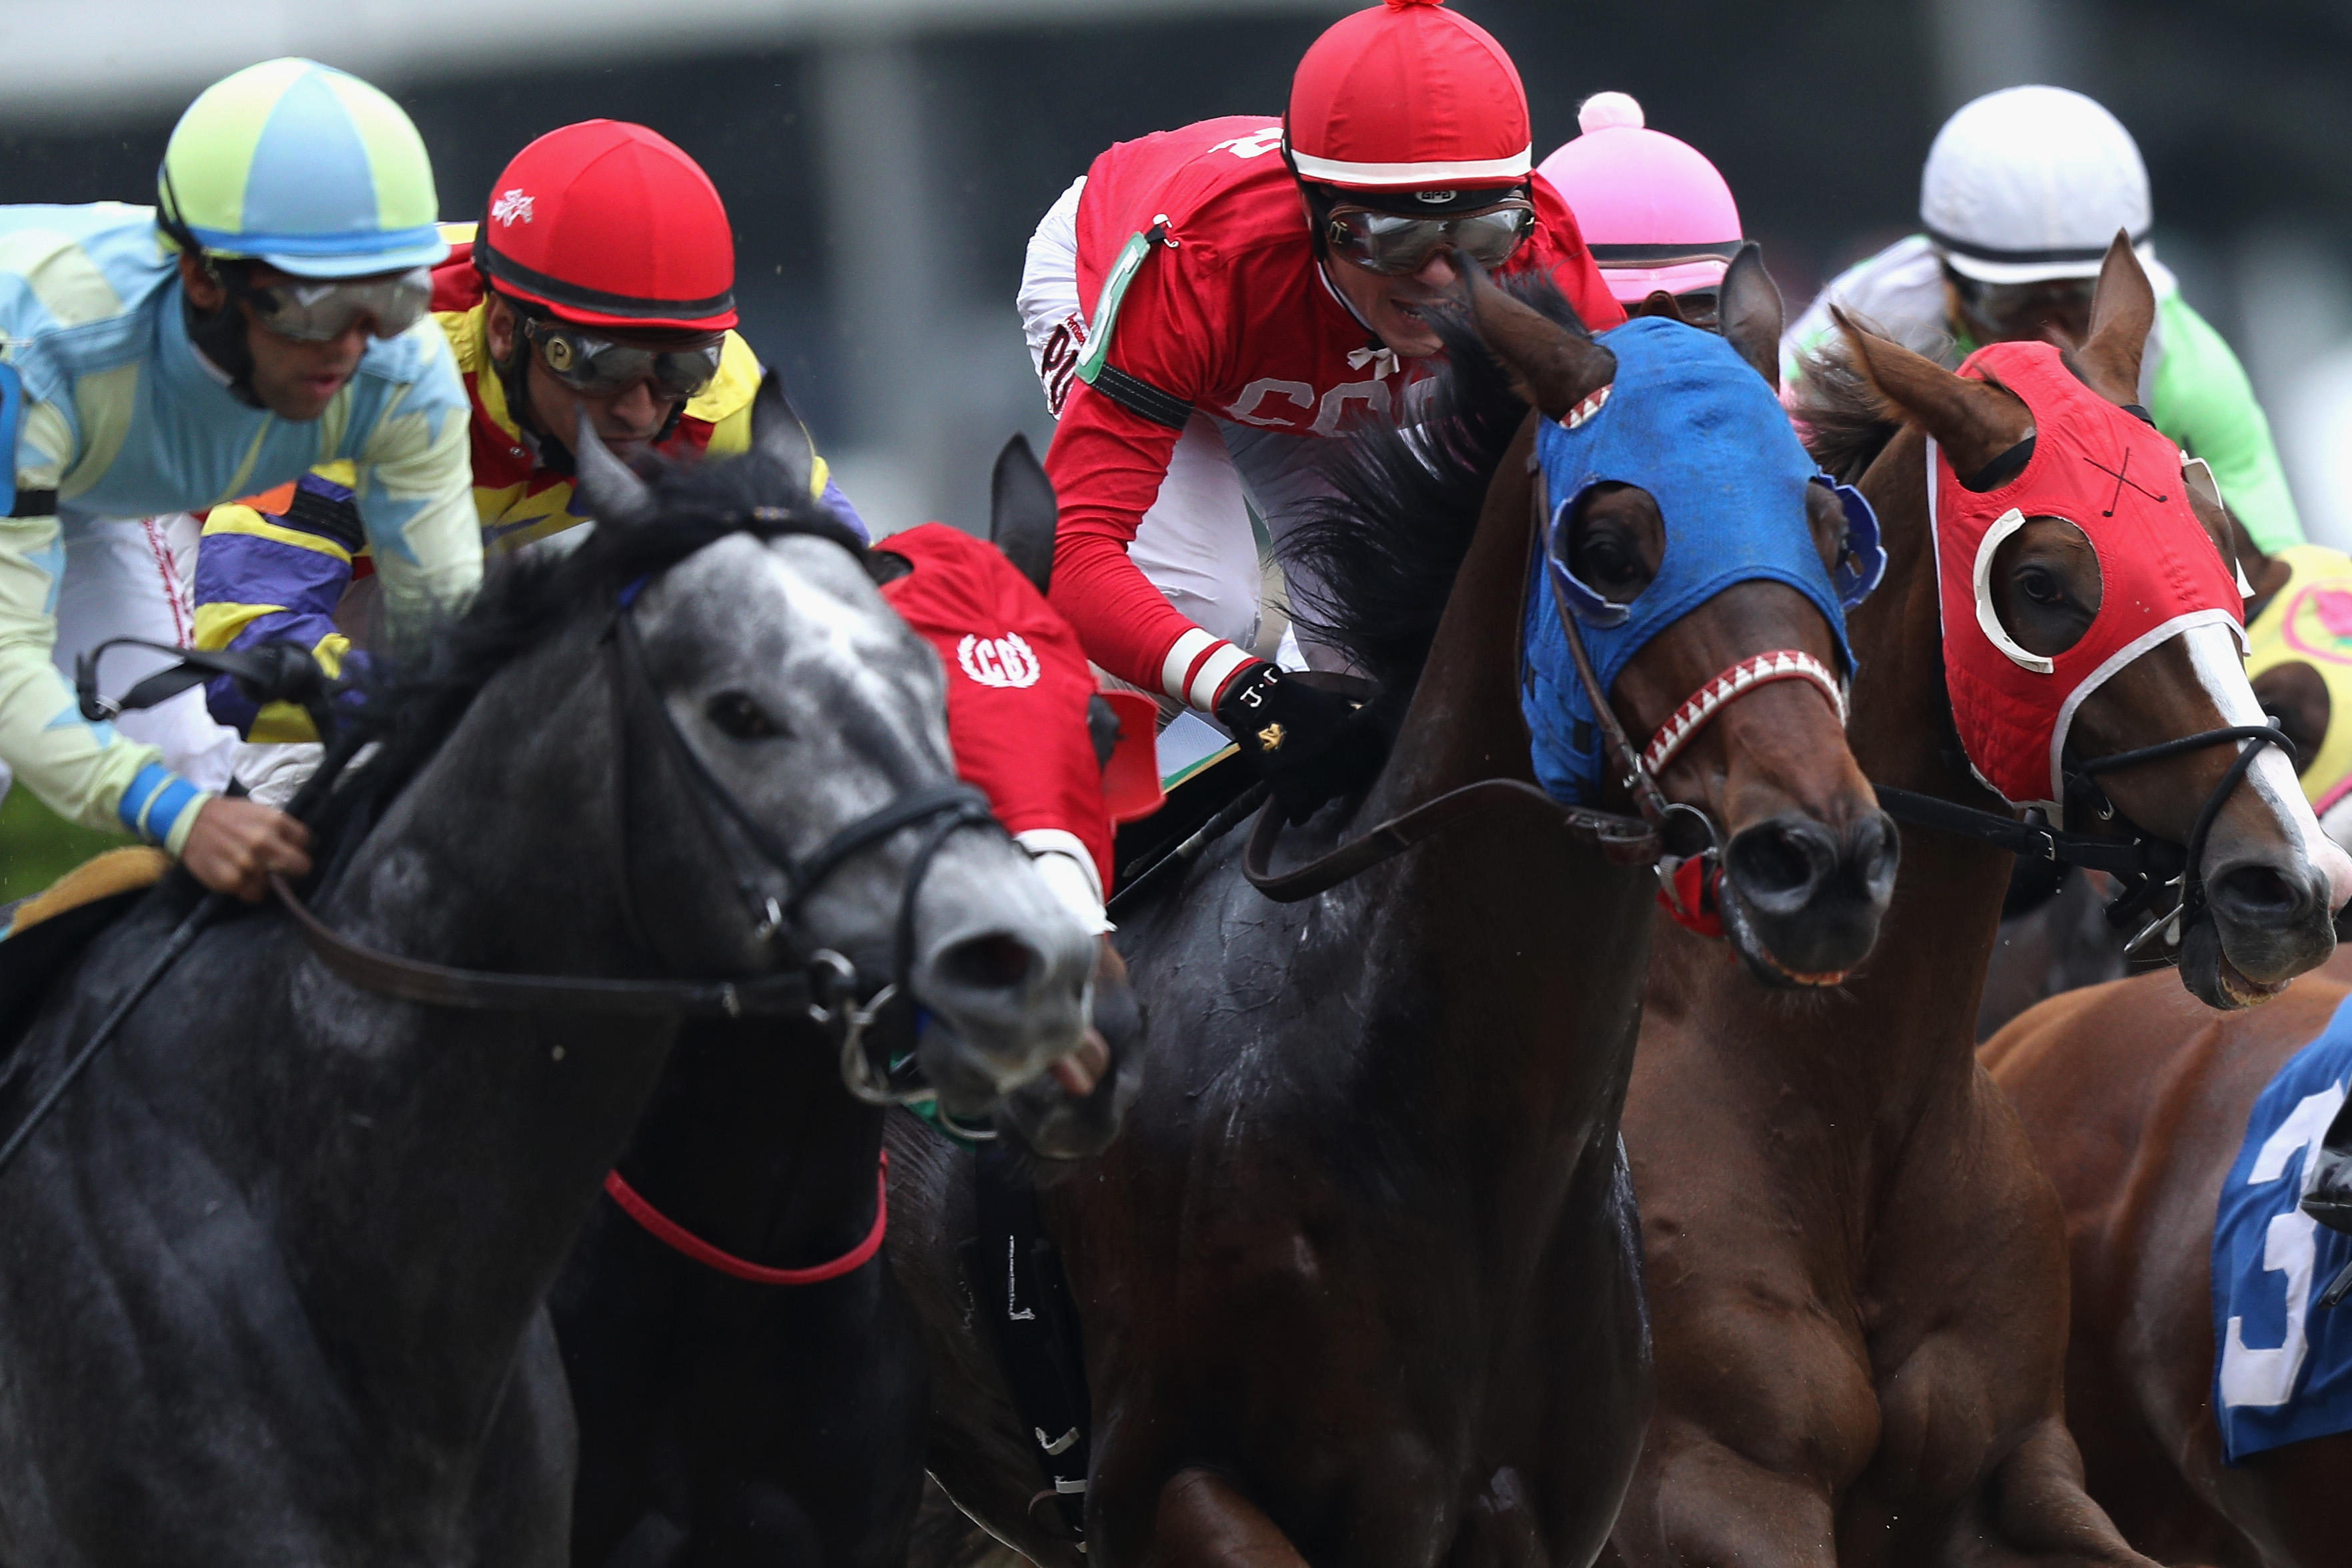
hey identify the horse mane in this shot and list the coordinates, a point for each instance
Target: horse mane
(1376, 559)
(1845, 422)
(410, 700)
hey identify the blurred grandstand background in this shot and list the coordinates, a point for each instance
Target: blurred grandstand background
(885, 160)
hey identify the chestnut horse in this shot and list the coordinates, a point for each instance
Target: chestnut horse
(2137, 1106)
(1856, 1272)
(1360, 1281)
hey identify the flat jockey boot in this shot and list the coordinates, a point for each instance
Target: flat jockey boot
(2328, 1196)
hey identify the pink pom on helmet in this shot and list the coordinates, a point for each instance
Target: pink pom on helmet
(1653, 210)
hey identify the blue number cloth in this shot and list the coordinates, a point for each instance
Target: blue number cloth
(2282, 1368)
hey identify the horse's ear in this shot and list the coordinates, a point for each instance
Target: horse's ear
(1751, 312)
(608, 492)
(1974, 420)
(1553, 366)
(2122, 311)
(778, 436)
(1022, 514)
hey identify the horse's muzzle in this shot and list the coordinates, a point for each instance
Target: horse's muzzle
(1804, 898)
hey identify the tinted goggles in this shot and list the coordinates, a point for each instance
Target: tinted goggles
(319, 310)
(597, 367)
(1392, 245)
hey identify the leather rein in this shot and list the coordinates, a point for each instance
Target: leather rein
(827, 990)
(1622, 839)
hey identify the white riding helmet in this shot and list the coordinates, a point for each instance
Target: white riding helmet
(2031, 183)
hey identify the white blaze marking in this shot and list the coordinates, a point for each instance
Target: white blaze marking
(2213, 654)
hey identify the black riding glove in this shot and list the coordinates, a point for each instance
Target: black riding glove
(1308, 745)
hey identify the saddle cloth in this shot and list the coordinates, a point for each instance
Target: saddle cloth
(40, 936)
(2282, 1367)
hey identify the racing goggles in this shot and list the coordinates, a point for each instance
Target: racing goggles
(319, 310)
(597, 367)
(1394, 245)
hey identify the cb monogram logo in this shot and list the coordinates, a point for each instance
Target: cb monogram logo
(1006, 661)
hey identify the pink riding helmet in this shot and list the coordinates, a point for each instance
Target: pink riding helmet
(1653, 210)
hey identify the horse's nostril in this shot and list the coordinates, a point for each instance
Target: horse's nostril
(987, 963)
(1877, 852)
(1773, 861)
(2258, 894)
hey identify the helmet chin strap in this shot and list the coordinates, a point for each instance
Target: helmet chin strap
(220, 334)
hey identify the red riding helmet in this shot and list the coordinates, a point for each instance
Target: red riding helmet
(1407, 97)
(608, 224)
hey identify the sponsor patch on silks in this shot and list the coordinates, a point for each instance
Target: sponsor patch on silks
(2282, 1367)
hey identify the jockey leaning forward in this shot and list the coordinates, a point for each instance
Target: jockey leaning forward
(1657, 215)
(601, 280)
(1206, 304)
(268, 316)
(2023, 191)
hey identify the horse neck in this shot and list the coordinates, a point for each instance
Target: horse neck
(1908, 1030)
(752, 1144)
(430, 1244)
(1528, 944)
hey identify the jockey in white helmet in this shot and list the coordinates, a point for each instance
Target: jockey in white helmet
(2023, 192)
(1655, 214)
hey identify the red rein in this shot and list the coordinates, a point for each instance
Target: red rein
(673, 1234)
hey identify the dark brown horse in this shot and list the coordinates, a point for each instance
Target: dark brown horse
(1360, 1281)
(2136, 1103)
(1855, 1270)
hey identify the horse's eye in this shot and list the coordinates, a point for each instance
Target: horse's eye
(1604, 562)
(741, 718)
(2041, 586)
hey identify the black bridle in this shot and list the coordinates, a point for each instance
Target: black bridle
(2145, 865)
(871, 1019)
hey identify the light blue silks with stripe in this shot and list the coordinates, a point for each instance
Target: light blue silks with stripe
(1690, 421)
(2282, 1366)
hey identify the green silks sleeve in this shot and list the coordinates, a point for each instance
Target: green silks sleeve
(2203, 401)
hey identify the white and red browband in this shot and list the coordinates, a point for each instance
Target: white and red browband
(1781, 664)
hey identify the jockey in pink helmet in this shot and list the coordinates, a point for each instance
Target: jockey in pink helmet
(1655, 214)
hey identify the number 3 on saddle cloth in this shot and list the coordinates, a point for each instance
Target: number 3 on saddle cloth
(2282, 1363)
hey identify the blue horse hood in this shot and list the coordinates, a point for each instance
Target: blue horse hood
(1690, 421)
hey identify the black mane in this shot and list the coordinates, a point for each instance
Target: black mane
(412, 699)
(1381, 555)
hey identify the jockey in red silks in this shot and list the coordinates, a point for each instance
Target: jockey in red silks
(1205, 304)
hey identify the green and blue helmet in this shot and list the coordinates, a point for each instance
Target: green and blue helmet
(304, 167)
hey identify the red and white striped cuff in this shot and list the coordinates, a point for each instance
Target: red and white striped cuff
(1198, 667)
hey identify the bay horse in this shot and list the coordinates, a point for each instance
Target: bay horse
(1857, 1270)
(2065, 941)
(272, 1276)
(766, 1403)
(1359, 1280)
(2136, 1106)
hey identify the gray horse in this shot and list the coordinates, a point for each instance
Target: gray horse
(271, 1276)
